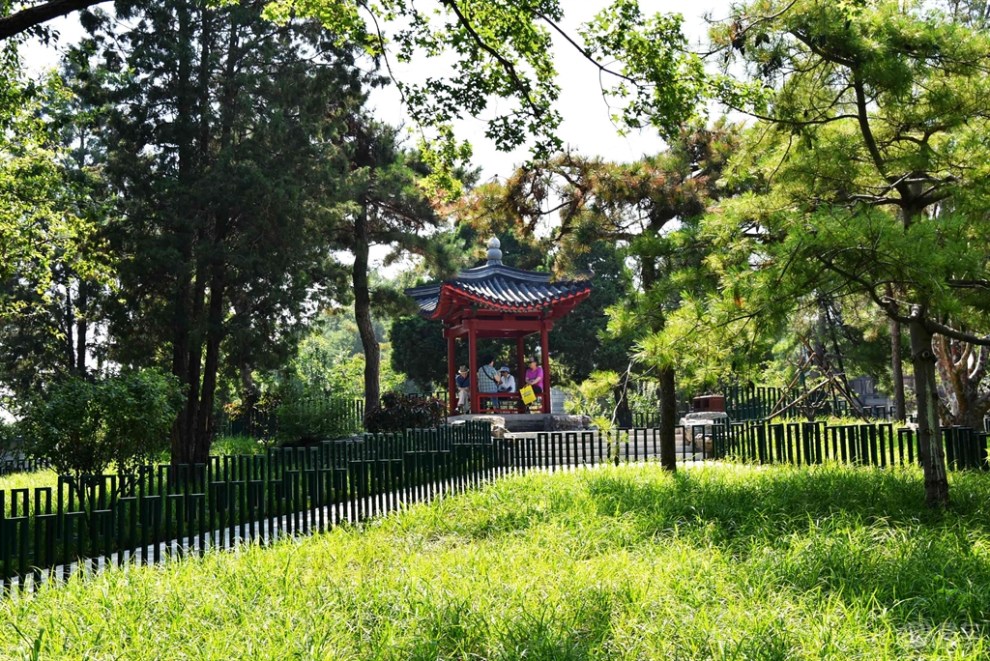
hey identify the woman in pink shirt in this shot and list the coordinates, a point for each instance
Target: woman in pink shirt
(534, 376)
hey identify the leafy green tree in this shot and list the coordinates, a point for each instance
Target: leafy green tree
(651, 208)
(390, 208)
(330, 359)
(587, 324)
(49, 236)
(223, 138)
(502, 50)
(420, 351)
(84, 426)
(495, 49)
(866, 171)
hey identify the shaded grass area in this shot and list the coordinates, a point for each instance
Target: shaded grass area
(616, 563)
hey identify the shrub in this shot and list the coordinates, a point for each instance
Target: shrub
(9, 438)
(398, 412)
(307, 420)
(82, 427)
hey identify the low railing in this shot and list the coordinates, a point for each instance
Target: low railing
(52, 532)
(21, 464)
(873, 444)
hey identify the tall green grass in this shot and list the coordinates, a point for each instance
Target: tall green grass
(33, 480)
(617, 563)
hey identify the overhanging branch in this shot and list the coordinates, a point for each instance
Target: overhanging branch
(507, 65)
(25, 19)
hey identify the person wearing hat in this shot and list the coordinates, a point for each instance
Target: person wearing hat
(508, 382)
(463, 383)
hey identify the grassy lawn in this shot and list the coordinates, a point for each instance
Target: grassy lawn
(42, 478)
(618, 563)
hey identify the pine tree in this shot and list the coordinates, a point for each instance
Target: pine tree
(223, 139)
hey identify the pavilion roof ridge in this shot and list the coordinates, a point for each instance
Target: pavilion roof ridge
(489, 270)
(498, 288)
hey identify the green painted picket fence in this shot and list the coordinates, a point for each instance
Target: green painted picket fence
(873, 444)
(52, 532)
(170, 511)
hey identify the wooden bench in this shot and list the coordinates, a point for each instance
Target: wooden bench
(505, 402)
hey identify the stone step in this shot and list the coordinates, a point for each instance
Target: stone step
(527, 422)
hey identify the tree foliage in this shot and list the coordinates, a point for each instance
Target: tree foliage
(651, 208)
(50, 239)
(223, 137)
(503, 50)
(389, 208)
(865, 179)
(81, 427)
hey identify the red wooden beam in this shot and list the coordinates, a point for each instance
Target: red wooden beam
(545, 347)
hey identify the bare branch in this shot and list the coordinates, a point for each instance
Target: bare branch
(584, 52)
(940, 328)
(969, 284)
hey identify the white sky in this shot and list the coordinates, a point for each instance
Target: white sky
(587, 127)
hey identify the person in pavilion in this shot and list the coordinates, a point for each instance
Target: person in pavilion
(534, 377)
(508, 382)
(463, 383)
(488, 379)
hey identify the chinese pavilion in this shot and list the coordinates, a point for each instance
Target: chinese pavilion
(498, 301)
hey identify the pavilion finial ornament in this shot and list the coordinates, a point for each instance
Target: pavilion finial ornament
(494, 252)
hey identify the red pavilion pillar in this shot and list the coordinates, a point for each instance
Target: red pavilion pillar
(521, 369)
(545, 355)
(473, 367)
(451, 371)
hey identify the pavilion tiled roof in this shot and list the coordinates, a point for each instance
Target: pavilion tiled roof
(499, 288)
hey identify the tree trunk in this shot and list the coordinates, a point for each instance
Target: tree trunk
(185, 452)
(68, 322)
(623, 415)
(214, 336)
(181, 322)
(82, 307)
(189, 288)
(362, 312)
(250, 396)
(668, 419)
(215, 268)
(897, 370)
(668, 390)
(929, 434)
(962, 368)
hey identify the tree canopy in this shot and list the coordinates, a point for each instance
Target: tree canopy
(864, 171)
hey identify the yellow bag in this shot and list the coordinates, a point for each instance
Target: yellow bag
(527, 394)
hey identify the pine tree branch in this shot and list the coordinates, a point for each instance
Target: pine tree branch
(864, 126)
(25, 19)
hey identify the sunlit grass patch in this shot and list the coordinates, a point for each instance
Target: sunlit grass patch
(617, 563)
(31, 480)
